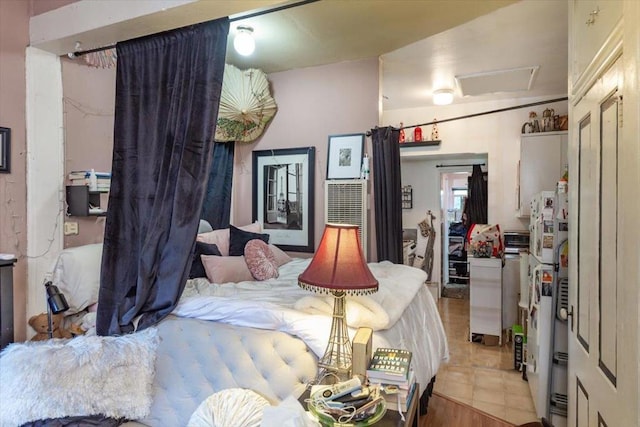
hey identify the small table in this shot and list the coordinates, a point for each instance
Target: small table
(391, 418)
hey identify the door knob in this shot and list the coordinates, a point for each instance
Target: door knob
(565, 314)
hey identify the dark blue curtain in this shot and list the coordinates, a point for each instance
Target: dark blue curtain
(217, 200)
(387, 187)
(167, 95)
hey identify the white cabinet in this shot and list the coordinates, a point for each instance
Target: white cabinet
(543, 157)
(485, 283)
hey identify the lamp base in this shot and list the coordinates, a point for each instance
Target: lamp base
(328, 376)
(336, 362)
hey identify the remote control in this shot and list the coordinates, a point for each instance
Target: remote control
(358, 403)
(340, 389)
(363, 393)
(371, 404)
(334, 404)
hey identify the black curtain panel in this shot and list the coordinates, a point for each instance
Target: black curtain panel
(167, 94)
(476, 206)
(387, 187)
(217, 200)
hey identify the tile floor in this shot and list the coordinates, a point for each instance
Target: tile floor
(479, 375)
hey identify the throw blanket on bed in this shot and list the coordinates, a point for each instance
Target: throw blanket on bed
(280, 304)
(398, 285)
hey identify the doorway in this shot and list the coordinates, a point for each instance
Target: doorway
(424, 175)
(455, 267)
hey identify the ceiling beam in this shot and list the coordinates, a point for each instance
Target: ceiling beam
(97, 23)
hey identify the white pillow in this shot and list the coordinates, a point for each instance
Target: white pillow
(77, 275)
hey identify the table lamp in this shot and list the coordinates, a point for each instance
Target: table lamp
(56, 303)
(338, 268)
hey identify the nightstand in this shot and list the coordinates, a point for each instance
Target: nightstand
(391, 418)
(6, 302)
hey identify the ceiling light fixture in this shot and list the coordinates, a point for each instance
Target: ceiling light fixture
(244, 42)
(443, 96)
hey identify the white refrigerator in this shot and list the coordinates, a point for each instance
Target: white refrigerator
(547, 333)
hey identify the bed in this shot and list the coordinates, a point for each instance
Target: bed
(258, 320)
(267, 335)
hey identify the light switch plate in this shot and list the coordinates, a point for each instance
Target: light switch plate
(70, 227)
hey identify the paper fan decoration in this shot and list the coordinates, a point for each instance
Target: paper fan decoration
(246, 105)
(101, 59)
(231, 407)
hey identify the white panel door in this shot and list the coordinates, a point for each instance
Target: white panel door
(600, 391)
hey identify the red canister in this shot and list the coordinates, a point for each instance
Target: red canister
(417, 134)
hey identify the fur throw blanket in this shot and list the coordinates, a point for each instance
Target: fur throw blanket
(86, 375)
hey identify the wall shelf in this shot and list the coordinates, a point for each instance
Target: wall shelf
(420, 144)
(82, 202)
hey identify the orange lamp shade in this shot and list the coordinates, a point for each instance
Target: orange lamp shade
(339, 264)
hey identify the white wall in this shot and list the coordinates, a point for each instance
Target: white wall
(497, 135)
(313, 103)
(494, 137)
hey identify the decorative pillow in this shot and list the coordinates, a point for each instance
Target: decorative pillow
(239, 238)
(232, 407)
(486, 233)
(226, 269)
(197, 269)
(221, 237)
(77, 275)
(260, 260)
(281, 256)
(86, 375)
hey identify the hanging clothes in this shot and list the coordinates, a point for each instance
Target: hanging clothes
(476, 204)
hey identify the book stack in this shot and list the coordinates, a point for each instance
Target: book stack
(103, 179)
(391, 369)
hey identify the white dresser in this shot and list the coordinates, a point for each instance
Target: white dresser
(485, 284)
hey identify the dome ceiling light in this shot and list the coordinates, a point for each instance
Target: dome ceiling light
(443, 96)
(244, 43)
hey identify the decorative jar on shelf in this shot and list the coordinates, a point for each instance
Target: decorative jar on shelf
(417, 134)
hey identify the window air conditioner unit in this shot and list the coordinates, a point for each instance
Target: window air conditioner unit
(345, 202)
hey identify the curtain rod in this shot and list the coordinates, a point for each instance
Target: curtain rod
(459, 165)
(235, 18)
(500, 110)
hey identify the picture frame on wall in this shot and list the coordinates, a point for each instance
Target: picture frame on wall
(5, 150)
(344, 156)
(283, 196)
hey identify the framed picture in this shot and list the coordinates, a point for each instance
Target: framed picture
(5, 150)
(283, 184)
(344, 157)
